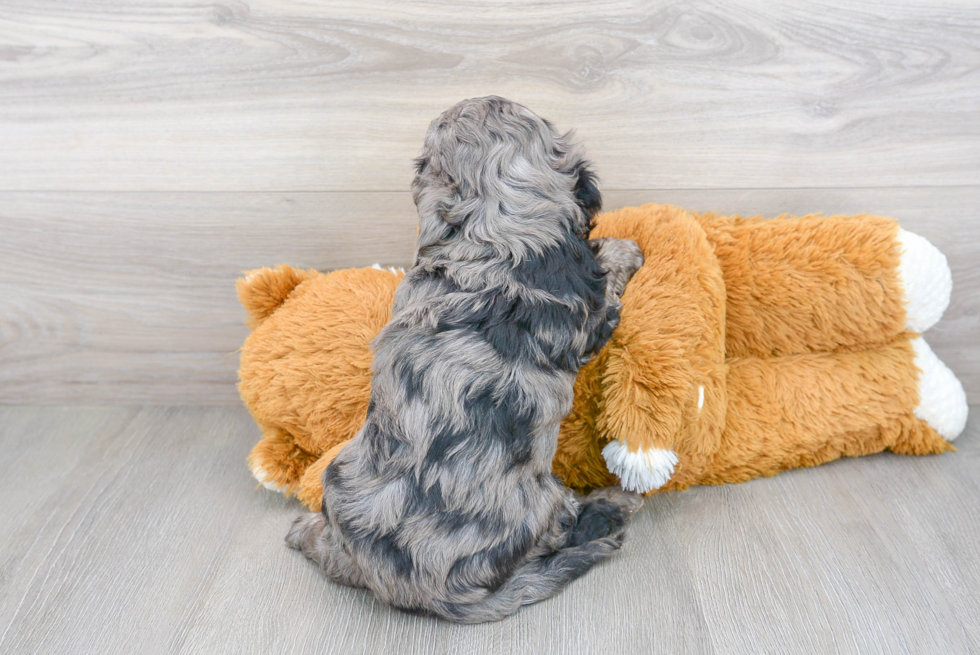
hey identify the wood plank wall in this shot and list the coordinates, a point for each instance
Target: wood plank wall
(149, 152)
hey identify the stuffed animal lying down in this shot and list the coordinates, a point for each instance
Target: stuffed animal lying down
(746, 347)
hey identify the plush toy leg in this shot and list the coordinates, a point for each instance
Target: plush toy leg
(804, 410)
(819, 284)
(277, 462)
(310, 491)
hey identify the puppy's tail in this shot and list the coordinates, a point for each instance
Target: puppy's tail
(598, 531)
(537, 580)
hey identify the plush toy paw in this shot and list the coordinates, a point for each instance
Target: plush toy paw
(642, 471)
(942, 401)
(926, 279)
(266, 479)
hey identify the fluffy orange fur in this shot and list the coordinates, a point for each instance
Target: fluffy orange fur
(791, 328)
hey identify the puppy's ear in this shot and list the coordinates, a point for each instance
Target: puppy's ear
(438, 202)
(450, 207)
(586, 192)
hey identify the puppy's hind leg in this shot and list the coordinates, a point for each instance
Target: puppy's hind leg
(604, 513)
(318, 540)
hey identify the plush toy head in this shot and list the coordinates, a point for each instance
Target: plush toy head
(306, 368)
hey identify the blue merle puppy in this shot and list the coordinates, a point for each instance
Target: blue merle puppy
(444, 502)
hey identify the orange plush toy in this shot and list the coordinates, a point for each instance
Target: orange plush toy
(746, 347)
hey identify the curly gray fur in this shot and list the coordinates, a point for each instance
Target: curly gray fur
(445, 502)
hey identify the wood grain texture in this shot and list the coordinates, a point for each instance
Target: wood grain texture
(149, 152)
(129, 297)
(275, 95)
(128, 529)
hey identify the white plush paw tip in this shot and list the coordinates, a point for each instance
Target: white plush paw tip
(942, 401)
(390, 269)
(926, 279)
(642, 471)
(259, 474)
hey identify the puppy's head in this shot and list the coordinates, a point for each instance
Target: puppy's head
(494, 172)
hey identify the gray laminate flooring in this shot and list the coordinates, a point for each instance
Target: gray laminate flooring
(139, 530)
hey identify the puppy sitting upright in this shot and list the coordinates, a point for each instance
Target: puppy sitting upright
(444, 502)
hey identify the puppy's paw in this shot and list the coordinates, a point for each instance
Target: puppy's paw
(628, 501)
(605, 513)
(305, 530)
(641, 471)
(622, 255)
(621, 258)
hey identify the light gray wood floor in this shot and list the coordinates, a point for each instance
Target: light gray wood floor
(139, 530)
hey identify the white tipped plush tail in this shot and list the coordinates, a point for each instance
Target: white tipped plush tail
(942, 401)
(926, 279)
(642, 471)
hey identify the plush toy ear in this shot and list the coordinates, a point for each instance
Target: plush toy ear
(263, 290)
